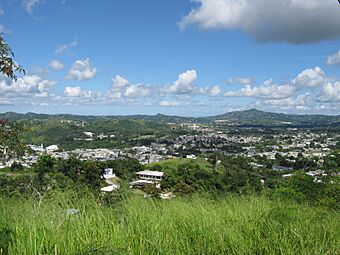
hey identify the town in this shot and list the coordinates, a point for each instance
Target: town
(279, 149)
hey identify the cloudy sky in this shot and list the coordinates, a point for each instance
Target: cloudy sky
(190, 58)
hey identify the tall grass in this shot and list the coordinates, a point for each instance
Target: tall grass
(238, 225)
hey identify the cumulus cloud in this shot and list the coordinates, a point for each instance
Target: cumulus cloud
(27, 86)
(72, 91)
(310, 78)
(330, 92)
(307, 79)
(291, 21)
(56, 65)
(81, 70)
(30, 5)
(212, 91)
(66, 47)
(239, 80)
(119, 82)
(299, 101)
(168, 104)
(268, 90)
(121, 88)
(136, 91)
(77, 92)
(184, 83)
(334, 59)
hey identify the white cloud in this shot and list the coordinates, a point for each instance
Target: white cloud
(310, 78)
(77, 95)
(307, 79)
(29, 5)
(5, 102)
(72, 91)
(119, 82)
(66, 47)
(136, 91)
(56, 65)
(212, 91)
(168, 104)
(268, 90)
(29, 85)
(334, 59)
(330, 92)
(184, 83)
(292, 21)
(239, 80)
(299, 101)
(121, 88)
(1, 11)
(81, 70)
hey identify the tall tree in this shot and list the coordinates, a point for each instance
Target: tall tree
(8, 66)
(11, 134)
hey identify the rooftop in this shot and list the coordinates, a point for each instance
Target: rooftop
(152, 173)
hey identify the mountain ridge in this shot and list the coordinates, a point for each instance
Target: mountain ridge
(247, 117)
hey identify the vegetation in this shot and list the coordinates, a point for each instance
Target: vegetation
(8, 66)
(242, 225)
(221, 208)
(12, 138)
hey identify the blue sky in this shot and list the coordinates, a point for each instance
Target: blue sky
(192, 58)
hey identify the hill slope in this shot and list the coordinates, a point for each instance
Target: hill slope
(248, 117)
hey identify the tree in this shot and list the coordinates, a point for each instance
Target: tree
(8, 66)
(91, 174)
(12, 138)
(45, 164)
(17, 167)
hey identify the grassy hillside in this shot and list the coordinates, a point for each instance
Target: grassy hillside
(239, 225)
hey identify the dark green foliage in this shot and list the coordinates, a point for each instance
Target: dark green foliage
(256, 117)
(124, 168)
(8, 66)
(320, 190)
(91, 174)
(70, 167)
(232, 175)
(12, 138)
(16, 167)
(151, 190)
(183, 189)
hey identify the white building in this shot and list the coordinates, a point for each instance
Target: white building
(108, 173)
(192, 156)
(52, 148)
(150, 175)
(110, 188)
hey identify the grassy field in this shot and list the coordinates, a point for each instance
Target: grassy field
(236, 225)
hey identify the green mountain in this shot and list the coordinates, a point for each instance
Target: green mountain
(262, 118)
(252, 117)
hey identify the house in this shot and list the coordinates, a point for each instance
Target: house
(110, 188)
(150, 175)
(282, 168)
(192, 156)
(108, 173)
(52, 148)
